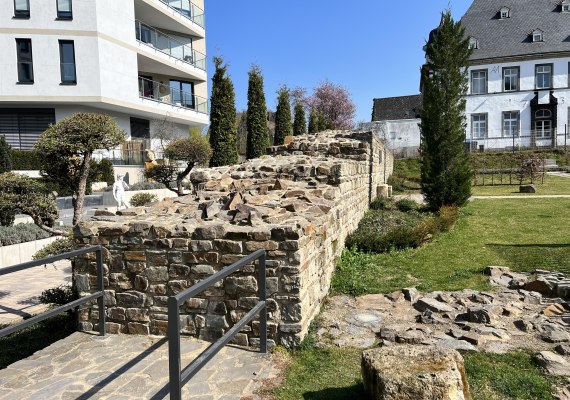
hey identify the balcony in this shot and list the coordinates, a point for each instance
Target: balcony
(188, 10)
(168, 94)
(169, 46)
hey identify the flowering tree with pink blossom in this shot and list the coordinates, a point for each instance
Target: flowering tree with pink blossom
(335, 105)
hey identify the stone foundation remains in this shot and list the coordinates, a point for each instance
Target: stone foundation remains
(299, 203)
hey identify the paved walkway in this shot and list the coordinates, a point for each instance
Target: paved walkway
(19, 291)
(124, 367)
(530, 196)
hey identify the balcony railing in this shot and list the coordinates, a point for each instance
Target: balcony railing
(163, 93)
(170, 46)
(187, 9)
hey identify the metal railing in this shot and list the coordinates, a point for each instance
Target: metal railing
(168, 45)
(188, 10)
(163, 93)
(179, 377)
(521, 140)
(99, 295)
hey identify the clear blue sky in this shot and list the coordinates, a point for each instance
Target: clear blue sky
(372, 47)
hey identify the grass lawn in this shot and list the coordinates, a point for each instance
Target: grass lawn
(520, 234)
(26, 342)
(552, 185)
(334, 374)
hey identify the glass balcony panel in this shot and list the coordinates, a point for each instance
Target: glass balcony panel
(187, 9)
(171, 94)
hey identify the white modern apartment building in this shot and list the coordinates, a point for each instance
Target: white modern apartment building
(141, 61)
(519, 84)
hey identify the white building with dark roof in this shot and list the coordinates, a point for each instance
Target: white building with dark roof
(519, 85)
(141, 61)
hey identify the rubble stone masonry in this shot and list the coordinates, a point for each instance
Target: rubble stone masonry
(298, 203)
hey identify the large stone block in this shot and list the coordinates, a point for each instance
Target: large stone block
(414, 373)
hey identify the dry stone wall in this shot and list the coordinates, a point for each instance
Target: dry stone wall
(298, 203)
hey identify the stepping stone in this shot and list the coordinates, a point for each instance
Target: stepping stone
(553, 363)
(427, 303)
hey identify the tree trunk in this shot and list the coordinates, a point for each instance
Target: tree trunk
(180, 177)
(80, 193)
(38, 221)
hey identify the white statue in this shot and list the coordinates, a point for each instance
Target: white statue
(119, 191)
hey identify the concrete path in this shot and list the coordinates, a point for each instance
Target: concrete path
(530, 196)
(19, 291)
(559, 173)
(123, 367)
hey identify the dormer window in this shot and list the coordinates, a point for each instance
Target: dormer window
(473, 43)
(566, 6)
(505, 13)
(537, 36)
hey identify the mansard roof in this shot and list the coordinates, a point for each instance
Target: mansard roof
(512, 37)
(396, 108)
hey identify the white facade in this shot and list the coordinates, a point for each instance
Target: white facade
(498, 105)
(115, 43)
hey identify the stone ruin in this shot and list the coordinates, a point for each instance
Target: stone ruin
(298, 203)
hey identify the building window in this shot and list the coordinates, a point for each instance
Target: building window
(537, 36)
(67, 62)
(566, 6)
(140, 128)
(22, 127)
(511, 79)
(543, 76)
(511, 123)
(543, 124)
(473, 43)
(182, 93)
(479, 126)
(21, 8)
(505, 13)
(25, 62)
(64, 10)
(479, 81)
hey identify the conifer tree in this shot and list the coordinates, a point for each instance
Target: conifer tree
(223, 127)
(445, 168)
(283, 125)
(299, 123)
(5, 156)
(257, 128)
(313, 121)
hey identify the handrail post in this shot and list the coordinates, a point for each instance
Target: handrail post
(101, 289)
(263, 298)
(174, 358)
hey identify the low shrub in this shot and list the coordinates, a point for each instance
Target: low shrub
(57, 247)
(351, 276)
(28, 160)
(7, 216)
(146, 186)
(406, 205)
(21, 233)
(382, 203)
(143, 199)
(102, 171)
(58, 296)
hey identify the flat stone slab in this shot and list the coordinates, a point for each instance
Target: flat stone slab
(85, 366)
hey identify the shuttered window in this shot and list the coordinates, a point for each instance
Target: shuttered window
(23, 127)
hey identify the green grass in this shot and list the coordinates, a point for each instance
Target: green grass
(334, 374)
(520, 234)
(552, 185)
(26, 342)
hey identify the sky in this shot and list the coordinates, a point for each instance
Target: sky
(371, 47)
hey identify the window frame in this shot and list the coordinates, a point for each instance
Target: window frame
(505, 13)
(536, 76)
(61, 63)
(565, 6)
(518, 82)
(19, 61)
(22, 14)
(486, 88)
(486, 115)
(518, 124)
(537, 33)
(64, 15)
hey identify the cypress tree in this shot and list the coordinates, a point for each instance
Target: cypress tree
(313, 121)
(223, 127)
(321, 122)
(299, 123)
(5, 156)
(257, 128)
(283, 125)
(445, 167)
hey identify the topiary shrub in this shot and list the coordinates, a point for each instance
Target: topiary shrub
(143, 199)
(55, 248)
(22, 233)
(5, 156)
(26, 160)
(102, 171)
(147, 186)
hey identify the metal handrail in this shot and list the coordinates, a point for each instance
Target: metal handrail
(179, 377)
(99, 295)
(162, 93)
(170, 46)
(192, 12)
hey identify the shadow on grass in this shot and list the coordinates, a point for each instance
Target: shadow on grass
(346, 393)
(527, 257)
